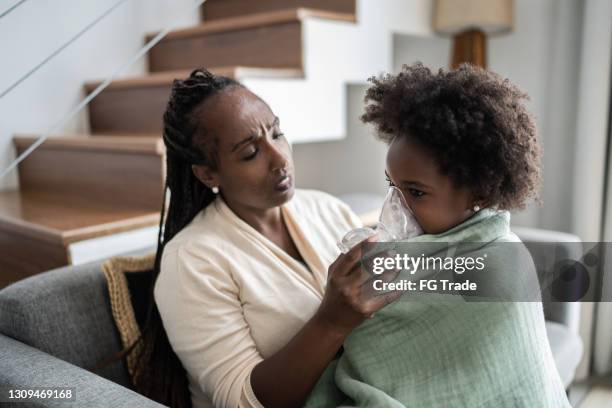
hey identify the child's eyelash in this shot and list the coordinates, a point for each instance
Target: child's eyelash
(413, 192)
(416, 193)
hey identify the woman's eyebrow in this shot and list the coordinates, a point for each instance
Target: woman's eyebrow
(252, 137)
(243, 142)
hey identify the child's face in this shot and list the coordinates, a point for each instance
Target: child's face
(436, 203)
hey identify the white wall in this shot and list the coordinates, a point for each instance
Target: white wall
(540, 56)
(356, 163)
(36, 28)
(353, 165)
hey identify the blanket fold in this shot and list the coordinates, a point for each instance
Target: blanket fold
(436, 350)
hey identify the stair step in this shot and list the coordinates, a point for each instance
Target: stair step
(220, 9)
(38, 228)
(271, 39)
(125, 170)
(137, 104)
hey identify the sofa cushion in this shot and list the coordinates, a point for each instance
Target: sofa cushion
(24, 367)
(66, 313)
(566, 347)
(128, 280)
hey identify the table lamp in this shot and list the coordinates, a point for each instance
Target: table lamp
(470, 21)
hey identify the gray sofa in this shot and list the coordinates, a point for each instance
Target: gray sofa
(562, 318)
(57, 325)
(53, 328)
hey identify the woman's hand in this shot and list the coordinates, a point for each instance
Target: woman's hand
(349, 298)
(287, 377)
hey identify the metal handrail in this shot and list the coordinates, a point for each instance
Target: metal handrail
(61, 48)
(58, 125)
(11, 8)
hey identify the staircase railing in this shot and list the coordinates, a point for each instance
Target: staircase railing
(121, 68)
(11, 8)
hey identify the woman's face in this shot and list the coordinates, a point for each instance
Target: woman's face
(436, 203)
(255, 165)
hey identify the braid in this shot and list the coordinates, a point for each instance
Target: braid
(188, 195)
(159, 373)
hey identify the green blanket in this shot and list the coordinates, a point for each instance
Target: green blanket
(443, 351)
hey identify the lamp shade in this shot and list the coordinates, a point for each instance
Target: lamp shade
(491, 16)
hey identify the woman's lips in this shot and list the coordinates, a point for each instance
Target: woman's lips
(284, 184)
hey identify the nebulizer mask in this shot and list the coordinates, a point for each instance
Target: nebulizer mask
(396, 222)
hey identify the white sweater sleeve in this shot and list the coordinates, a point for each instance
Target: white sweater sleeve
(203, 318)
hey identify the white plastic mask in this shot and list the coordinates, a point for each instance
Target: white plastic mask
(396, 222)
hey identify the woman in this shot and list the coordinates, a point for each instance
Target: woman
(243, 294)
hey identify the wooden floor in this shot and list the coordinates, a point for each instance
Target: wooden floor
(593, 392)
(53, 216)
(37, 229)
(599, 396)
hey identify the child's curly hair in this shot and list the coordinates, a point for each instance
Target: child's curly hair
(472, 120)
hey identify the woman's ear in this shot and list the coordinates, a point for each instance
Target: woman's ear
(205, 175)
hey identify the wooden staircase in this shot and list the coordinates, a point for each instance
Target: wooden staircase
(271, 39)
(136, 105)
(82, 187)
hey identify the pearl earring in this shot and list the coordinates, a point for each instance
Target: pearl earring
(476, 208)
(215, 190)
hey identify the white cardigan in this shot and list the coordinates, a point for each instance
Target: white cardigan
(229, 297)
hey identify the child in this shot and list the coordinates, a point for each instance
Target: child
(463, 151)
(459, 141)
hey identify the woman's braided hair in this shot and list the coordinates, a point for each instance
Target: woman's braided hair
(159, 374)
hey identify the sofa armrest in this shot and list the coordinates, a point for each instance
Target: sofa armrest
(540, 243)
(22, 366)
